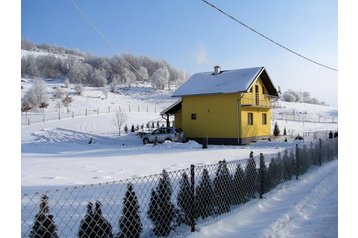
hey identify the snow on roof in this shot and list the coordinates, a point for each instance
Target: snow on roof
(227, 81)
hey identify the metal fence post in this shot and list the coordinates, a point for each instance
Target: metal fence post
(192, 188)
(262, 174)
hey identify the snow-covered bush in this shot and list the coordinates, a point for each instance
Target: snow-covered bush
(37, 94)
(79, 89)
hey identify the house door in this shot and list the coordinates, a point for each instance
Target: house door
(257, 100)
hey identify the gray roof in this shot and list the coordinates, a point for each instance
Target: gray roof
(227, 81)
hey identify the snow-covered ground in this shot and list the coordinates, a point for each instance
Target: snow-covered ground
(58, 153)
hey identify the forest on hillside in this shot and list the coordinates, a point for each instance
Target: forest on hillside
(49, 61)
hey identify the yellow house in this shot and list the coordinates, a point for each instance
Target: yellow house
(226, 106)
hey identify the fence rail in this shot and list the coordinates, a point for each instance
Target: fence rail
(170, 204)
(28, 118)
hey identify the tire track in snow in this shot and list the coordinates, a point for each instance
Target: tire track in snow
(302, 211)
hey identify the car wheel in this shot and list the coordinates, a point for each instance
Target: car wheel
(145, 141)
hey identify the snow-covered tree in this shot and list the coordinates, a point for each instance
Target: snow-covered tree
(130, 223)
(161, 210)
(251, 177)
(79, 89)
(160, 78)
(66, 83)
(44, 225)
(97, 78)
(128, 77)
(185, 200)
(143, 73)
(222, 188)
(238, 189)
(29, 67)
(102, 228)
(37, 94)
(79, 72)
(87, 223)
(204, 196)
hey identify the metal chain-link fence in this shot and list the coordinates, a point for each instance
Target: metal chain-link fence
(170, 204)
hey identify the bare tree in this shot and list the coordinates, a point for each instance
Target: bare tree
(119, 119)
(66, 101)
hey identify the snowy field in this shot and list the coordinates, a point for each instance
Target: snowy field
(56, 153)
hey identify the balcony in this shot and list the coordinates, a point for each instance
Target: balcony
(259, 100)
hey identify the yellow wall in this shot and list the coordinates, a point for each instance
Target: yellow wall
(216, 116)
(178, 119)
(257, 129)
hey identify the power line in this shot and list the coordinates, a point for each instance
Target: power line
(99, 32)
(267, 38)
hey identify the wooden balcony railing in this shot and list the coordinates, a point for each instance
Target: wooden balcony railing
(259, 100)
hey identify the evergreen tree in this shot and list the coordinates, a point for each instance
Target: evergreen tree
(280, 168)
(161, 210)
(86, 225)
(222, 188)
(239, 190)
(305, 159)
(284, 131)
(330, 136)
(251, 177)
(273, 173)
(185, 200)
(130, 223)
(287, 164)
(44, 225)
(276, 130)
(102, 228)
(132, 128)
(125, 128)
(204, 196)
(263, 176)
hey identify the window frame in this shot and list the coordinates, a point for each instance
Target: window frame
(194, 116)
(264, 118)
(250, 118)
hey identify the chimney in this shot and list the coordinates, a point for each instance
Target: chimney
(217, 70)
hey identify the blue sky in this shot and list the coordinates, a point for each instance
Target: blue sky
(191, 35)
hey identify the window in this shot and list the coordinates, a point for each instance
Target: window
(264, 119)
(193, 116)
(263, 90)
(250, 118)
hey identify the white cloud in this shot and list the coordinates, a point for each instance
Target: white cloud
(202, 57)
